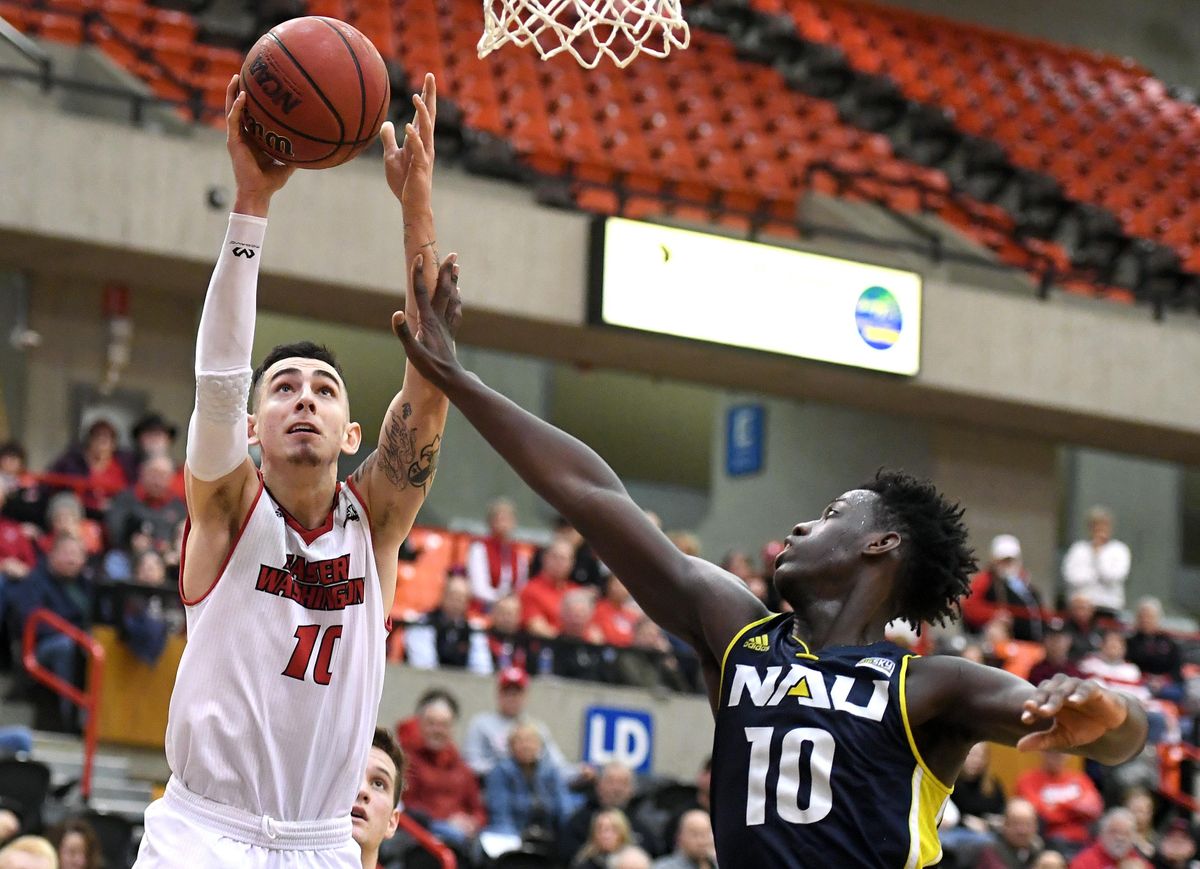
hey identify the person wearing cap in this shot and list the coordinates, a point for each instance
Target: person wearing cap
(154, 435)
(487, 737)
(1057, 646)
(1177, 847)
(1004, 587)
(1098, 566)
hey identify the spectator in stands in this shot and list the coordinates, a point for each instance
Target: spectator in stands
(1000, 649)
(28, 852)
(978, 793)
(616, 613)
(440, 785)
(686, 542)
(17, 557)
(1056, 646)
(1004, 587)
(77, 845)
(694, 847)
(1145, 838)
(1177, 847)
(578, 649)
(1082, 625)
(1155, 652)
(608, 833)
(149, 508)
(1098, 566)
(703, 783)
(487, 743)
(1065, 800)
(586, 570)
(614, 790)
(651, 661)
(1113, 848)
(495, 567)
(630, 857)
(154, 435)
(542, 596)
(376, 812)
(22, 499)
(1049, 860)
(65, 516)
(446, 636)
(60, 585)
(1018, 844)
(510, 646)
(1109, 667)
(145, 621)
(526, 793)
(96, 467)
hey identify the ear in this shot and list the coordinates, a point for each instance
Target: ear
(251, 430)
(881, 544)
(351, 438)
(393, 823)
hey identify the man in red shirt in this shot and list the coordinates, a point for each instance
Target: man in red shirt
(440, 784)
(616, 614)
(1065, 799)
(1114, 847)
(541, 598)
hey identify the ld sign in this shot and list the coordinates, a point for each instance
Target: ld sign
(621, 735)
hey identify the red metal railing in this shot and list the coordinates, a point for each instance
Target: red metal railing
(89, 700)
(429, 842)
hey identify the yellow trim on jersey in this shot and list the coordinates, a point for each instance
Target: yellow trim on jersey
(927, 802)
(737, 637)
(912, 742)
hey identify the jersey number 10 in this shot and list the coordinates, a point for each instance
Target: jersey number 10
(787, 791)
(306, 639)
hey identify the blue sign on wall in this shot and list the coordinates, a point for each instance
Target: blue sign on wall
(622, 735)
(745, 431)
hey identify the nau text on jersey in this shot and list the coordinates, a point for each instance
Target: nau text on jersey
(808, 687)
(317, 585)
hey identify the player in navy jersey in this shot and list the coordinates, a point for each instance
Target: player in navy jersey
(833, 747)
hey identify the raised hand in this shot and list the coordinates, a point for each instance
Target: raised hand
(258, 177)
(431, 349)
(1081, 710)
(409, 167)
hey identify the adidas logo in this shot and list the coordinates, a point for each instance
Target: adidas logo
(758, 644)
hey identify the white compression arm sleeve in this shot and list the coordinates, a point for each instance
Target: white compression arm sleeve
(217, 439)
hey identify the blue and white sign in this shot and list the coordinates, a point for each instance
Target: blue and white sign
(622, 735)
(744, 435)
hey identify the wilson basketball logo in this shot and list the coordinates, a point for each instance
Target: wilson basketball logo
(270, 140)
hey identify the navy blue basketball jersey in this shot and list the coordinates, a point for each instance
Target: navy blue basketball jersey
(814, 764)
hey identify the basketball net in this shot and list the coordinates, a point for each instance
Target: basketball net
(589, 30)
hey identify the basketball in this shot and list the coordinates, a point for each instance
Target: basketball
(317, 92)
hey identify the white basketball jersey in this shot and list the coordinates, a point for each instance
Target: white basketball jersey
(278, 690)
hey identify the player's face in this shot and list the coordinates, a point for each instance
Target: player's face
(302, 416)
(823, 551)
(374, 816)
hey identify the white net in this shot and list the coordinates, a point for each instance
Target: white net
(588, 30)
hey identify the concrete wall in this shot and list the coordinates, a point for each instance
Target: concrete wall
(683, 725)
(1163, 35)
(1092, 373)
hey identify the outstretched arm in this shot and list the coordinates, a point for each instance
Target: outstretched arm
(689, 597)
(396, 477)
(220, 476)
(955, 703)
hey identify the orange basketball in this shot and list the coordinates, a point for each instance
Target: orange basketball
(317, 92)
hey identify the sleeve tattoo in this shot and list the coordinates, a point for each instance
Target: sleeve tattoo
(402, 462)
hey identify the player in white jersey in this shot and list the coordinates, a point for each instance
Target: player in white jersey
(288, 574)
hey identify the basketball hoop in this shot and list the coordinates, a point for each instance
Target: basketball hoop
(587, 29)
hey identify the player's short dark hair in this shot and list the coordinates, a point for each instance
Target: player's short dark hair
(384, 742)
(937, 561)
(302, 349)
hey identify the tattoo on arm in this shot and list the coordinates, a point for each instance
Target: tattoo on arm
(421, 471)
(429, 244)
(397, 454)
